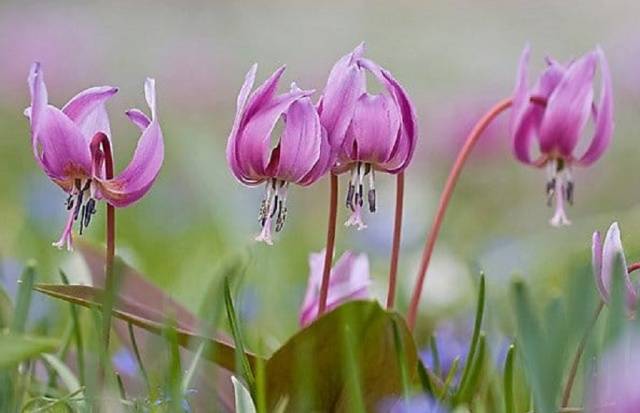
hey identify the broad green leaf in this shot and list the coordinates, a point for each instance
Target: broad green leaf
(16, 348)
(321, 347)
(244, 402)
(224, 353)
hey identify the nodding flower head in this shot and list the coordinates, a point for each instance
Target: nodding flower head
(555, 111)
(604, 258)
(371, 132)
(66, 145)
(301, 155)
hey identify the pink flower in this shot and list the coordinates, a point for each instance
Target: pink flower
(557, 120)
(369, 131)
(66, 146)
(604, 259)
(349, 280)
(300, 156)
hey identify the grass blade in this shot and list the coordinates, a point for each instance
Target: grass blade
(244, 402)
(23, 300)
(77, 333)
(241, 358)
(473, 346)
(508, 380)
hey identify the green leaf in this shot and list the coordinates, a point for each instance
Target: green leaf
(321, 348)
(16, 348)
(473, 346)
(68, 378)
(466, 392)
(23, 300)
(244, 402)
(90, 297)
(241, 359)
(508, 380)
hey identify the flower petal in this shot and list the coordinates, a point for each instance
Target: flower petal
(323, 164)
(262, 113)
(232, 150)
(139, 118)
(136, 179)
(349, 280)
(523, 119)
(87, 110)
(604, 116)
(568, 108)
(596, 261)
(611, 251)
(374, 128)
(346, 83)
(406, 142)
(299, 147)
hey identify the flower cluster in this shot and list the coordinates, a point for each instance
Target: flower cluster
(348, 130)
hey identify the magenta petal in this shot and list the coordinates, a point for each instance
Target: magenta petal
(596, 261)
(604, 116)
(138, 177)
(232, 151)
(523, 118)
(300, 143)
(375, 126)
(346, 83)
(568, 108)
(323, 164)
(611, 252)
(87, 110)
(255, 135)
(406, 142)
(349, 280)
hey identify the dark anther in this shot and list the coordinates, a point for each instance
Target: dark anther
(372, 200)
(282, 213)
(551, 189)
(82, 215)
(262, 215)
(360, 197)
(89, 211)
(569, 192)
(69, 202)
(350, 193)
(275, 206)
(78, 205)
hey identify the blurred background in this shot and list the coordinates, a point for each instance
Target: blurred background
(455, 59)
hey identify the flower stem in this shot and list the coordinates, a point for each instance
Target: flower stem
(101, 141)
(331, 238)
(450, 185)
(566, 395)
(395, 248)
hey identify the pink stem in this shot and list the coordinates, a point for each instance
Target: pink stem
(331, 239)
(395, 248)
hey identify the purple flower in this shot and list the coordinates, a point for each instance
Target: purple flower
(66, 146)
(564, 103)
(604, 259)
(416, 404)
(349, 280)
(301, 155)
(614, 387)
(369, 131)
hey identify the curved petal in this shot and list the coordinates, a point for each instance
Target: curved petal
(407, 139)
(232, 150)
(596, 262)
(300, 142)
(568, 108)
(349, 280)
(604, 116)
(87, 110)
(58, 145)
(346, 83)
(522, 121)
(375, 126)
(611, 252)
(138, 177)
(263, 112)
(323, 164)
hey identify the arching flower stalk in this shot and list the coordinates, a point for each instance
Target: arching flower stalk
(300, 156)
(558, 125)
(72, 146)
